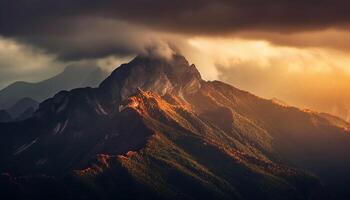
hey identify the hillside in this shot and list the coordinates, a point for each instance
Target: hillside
(154, 129)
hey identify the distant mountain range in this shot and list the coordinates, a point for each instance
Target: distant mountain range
(22, 109)
(154, 129)
(72, 77)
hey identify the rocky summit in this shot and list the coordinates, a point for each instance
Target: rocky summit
(154, 129)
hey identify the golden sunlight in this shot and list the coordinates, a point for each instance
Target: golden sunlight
(315, 78)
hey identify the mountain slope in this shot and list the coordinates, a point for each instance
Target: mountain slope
(88, 76)
(155, 129)
(303, 139)
(5, 116)
(23, 105)
(187, 159)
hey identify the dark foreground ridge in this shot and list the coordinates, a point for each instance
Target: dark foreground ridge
(155, 130)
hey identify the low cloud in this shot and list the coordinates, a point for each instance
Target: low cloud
(92, 38)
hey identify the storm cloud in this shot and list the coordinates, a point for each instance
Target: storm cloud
(195, 16)
(89, 29)
(90, 38)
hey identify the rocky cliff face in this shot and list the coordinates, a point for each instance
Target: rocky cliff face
(155, 129)
(158, 75)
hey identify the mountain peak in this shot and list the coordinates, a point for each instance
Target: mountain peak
(156, 74)
(156, 117)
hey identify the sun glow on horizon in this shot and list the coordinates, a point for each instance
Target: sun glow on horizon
(315, 78)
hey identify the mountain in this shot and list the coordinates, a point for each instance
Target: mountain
(154, 129)
(5, 116)
(66, 80)
(23, 105)
(21, 110)
(26, 114)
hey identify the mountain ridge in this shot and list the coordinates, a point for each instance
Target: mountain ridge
(23, 105)
(156, 125)
(42, 90)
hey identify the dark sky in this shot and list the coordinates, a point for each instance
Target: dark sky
(58, 25)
